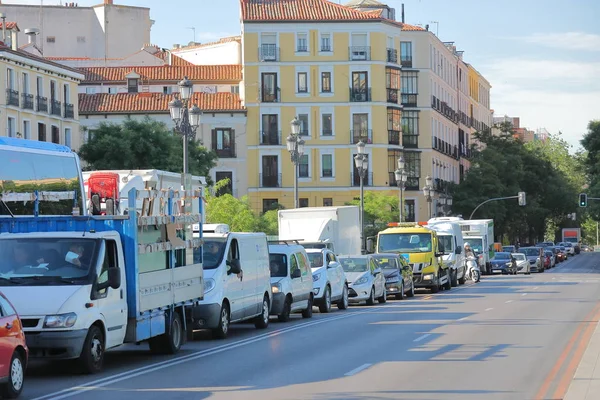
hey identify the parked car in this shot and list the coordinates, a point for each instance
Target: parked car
(509, 249)
(586, 248)
(366, 279)
(523, 265)
(569, 247)
(291, 281)
(14, 352)
(545, 244)
(329, 280)
(550, 257)
(398, 275)
(503, 262)
(535, 255)
(557, 254)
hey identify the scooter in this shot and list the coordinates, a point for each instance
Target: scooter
(473, 271)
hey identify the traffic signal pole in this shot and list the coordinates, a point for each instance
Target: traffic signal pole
(520, 196)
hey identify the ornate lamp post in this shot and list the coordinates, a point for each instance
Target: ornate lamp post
(361, 160)
(295, 146)
(401, 178)
(428, 192)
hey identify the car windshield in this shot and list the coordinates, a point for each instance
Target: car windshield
(42, 261)
(502, 256)
(519, 257)
(212, 252)
(508, 248)
(404, 242)
(386, 263)
(354, 264)
(530, 252)
(278, 265)
(548, 254)
(316, 259)
(476, 244)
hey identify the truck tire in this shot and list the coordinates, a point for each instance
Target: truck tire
(454, 275)
(463, 280)
(91, 359)
(221, 331)
(448, 284)
(436, 288)
(169, 342)
(261, 321)
(16, 375)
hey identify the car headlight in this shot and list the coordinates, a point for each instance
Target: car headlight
(209, 285)
(362, 280)
(428, 277)
(276, 288)
(508, 264)
(60, 321)
(316, 277)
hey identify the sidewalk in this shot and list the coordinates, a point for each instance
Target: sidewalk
(586, 382)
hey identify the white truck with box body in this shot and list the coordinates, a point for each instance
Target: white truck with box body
(479, 233)
(335, 228)
(450, 236)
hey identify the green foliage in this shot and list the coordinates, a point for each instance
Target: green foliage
(591, 162)
(380, 209)
(146, 144)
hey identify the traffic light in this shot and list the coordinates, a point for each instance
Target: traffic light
(583, 200)
(522, 200)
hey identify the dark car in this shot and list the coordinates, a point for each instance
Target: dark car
(505, 263)
(586, 248)
(558, 254)
(509, 249)
(535, 256)
(398, 275)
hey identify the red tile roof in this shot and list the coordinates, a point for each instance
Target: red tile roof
(10, 25)
(204, 73)
(407, 27)
(301, 10)
(131, 103)
(228, 39)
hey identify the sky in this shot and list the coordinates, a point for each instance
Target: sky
(542, 57)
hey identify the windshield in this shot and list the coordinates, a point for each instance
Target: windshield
(354, 264)
(476, 244)
(448, 242)
(41, 261)
(519, 257)
(25, 172)
(501, 256)
(316, 260)
(212, 252)
(386, 263)
(278, 265)
(508, 248)
(530, 252)
(404, 243)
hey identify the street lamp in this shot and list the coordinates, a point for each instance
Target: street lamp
(361, 160)
(186, 120)
(295, 146)
(428, 192)
(401, 178)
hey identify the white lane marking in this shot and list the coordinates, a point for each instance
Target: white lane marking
(109, 380)
(524, 294)
(488, 309)
(536, 287)
(508, 301)
(357, 370)
(463, 318)
(422, 337)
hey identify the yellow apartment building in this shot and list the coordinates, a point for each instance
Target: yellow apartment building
(40, 101)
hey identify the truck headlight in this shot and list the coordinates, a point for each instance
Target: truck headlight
(209, 285)
(428, 277)
(362, 280)
(276, 288)
(60, 321)
(316, 277)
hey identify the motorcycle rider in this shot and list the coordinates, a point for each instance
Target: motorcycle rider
(468, 250)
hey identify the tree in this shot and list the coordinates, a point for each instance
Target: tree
(146, 144)
(591, 161)
(380, 209)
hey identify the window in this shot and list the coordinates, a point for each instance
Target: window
(327, 165)
(393, 156)
(132, 85)
(228, 188)
(302, 43)
(406, 54)
(269, 87)
(235, 89)
(270, 129)
(359, 49)
(302, 82)
(270, 204)
(412, 160)
(392, 76)
(327, 202)
(41, 132)
(409, 81)
(50, 39)
(223, 142)
(270, 176)
(409, 211)
(26, 130)
(112, 90)
(360, 128)
(410, 129)
(327, 125)
(394, 126)
(90, 90)
(167, 89)
(325, 42)
(53, 93)
(303, 118)
(55, 134)
(326, 82)
(68, 137)
(303, 170)
(7, 309)
(11, 128)
(25, 88)
(10, 79)
(39, 86)
(303, 202)
(110, 261)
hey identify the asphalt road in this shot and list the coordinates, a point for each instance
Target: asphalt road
(507, 337)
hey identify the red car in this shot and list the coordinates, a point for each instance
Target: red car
(13, 351)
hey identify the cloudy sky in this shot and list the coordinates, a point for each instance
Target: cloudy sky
(541, 56)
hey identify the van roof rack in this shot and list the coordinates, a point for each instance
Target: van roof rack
(286, 241)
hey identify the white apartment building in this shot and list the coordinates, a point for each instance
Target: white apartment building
(224, 51)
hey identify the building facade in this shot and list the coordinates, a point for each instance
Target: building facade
(113, 94)
(40, 101)
(227, 50)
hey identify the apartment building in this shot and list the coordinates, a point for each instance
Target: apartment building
(40, 101)
(113, 94)
(227, 50)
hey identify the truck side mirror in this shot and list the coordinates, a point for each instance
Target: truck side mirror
(370, 245)
(458, 250)
(234, 267)
(114, 277)
(296, 274)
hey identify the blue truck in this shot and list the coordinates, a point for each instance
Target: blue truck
(86, 284)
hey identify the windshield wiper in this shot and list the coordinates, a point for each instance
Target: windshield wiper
(11, 280)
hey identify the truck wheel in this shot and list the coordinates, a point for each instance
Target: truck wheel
(448, 284)
(287, 310)
(436, 288)
(325, 306)
(92, 354)
(463, 280)
(454, 275)
(221, 331)
(16, 375)
(309, 309)
(169, 342)
(262, 320)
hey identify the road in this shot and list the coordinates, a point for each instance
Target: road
(507, 337)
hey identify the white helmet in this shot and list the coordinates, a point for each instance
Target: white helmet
(467, 244)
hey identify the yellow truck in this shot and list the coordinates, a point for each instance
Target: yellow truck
(421, 248)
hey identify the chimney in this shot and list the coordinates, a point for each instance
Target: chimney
(3, 17)
(31, 34)
(427, 27)
(402, 12)
(106, 2)
(14, 39)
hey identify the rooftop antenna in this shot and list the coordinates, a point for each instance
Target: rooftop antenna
(402, 13)
(194, 31)
(437, 27)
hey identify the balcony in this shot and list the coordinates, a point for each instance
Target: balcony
(42, 104)
(412, 183)
(270, 180)
(55, 108)
(69, 111)
(406, 61)
(440, 185)
(270, 96)
(394, 137)
(27, 103)
(392, 95)
(225, 153)
(270, 138)
(12, 97)
(268, 52)
(360, 95)
(367, 180)
(392, 56)
(410, 141)
(356, 135)
(409, 100)
(359, 53)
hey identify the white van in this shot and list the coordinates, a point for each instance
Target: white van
(291, 281)
(450, 236)
(237, 282)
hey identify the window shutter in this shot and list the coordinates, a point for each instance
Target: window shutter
(213, 139)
